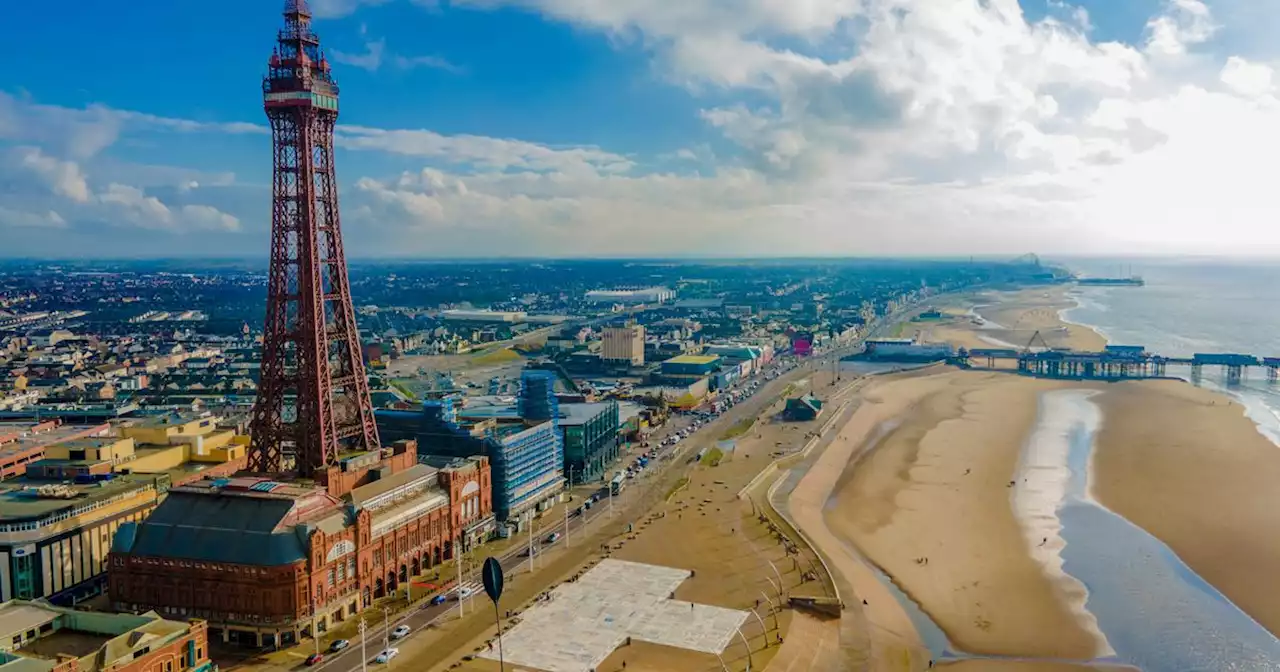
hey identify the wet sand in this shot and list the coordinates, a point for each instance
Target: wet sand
(1185, 464)
(1189, 467)
(930, 505)
(1013, 319)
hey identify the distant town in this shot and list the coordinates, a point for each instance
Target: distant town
(123, 385)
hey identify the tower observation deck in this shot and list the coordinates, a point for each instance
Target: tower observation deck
(313, 397)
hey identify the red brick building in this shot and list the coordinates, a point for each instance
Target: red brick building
(252, 556)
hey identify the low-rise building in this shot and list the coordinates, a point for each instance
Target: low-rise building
(22, 443)
(39, 637)
(631, 296)
(55, 536)
(261, 559)
(690, 365)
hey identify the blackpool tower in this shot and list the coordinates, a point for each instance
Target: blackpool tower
(313, 397)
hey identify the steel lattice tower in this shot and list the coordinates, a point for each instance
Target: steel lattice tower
(313, 397)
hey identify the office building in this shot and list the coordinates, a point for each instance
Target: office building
(590, 439)
(526, 455)
(623, 345)
(39, 637)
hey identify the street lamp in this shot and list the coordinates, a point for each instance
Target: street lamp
(364, 657)
(386, 627)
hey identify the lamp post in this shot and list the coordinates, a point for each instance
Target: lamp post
(457, 560)
(364, 657)
(386, 627)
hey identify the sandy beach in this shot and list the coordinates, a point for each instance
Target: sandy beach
(930, 505)
(1011, 319)
(920, 483)
(1189, 467)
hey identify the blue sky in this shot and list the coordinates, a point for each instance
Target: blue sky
(583, 127)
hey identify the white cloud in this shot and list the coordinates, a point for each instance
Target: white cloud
(1252, 80)
(333, 9)
(37, 220)
(1185, 24)
(63, 178)
(429, 62)
(479, 151)
(852, 127)
(370, 60)
(133, 206)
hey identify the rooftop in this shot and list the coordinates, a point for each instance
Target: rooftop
(579, 414)
(98, 640)
(369, 495)
(17, 438)
(25, 499)
(250, 521)
(693, 359)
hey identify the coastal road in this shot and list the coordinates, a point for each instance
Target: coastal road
(515, 560)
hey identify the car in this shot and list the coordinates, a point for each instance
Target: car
(464, 592)
(438, 599)
(400, 631)
(385, 655)
(314, 659)
(339, 645)
(552, 538)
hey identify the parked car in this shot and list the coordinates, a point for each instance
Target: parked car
(400, 631)
(315, 659)
(386, 655)
(339, 645)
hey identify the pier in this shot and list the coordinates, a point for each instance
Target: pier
(1116, 362)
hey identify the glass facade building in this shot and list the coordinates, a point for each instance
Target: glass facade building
(526, 457)
(590, 439)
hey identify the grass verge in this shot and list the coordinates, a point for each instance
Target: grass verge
(739, 428)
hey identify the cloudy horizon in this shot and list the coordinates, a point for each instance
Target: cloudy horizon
(581, 128)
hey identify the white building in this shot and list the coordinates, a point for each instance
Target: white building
(509, 317)
(631, 296)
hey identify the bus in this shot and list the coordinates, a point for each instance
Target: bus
(615, 486)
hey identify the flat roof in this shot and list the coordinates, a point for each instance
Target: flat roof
(579, 414)
(17, 438)
(19, 617)
(693, 359)
(19, 499)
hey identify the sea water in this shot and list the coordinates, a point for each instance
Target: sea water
(1190, 307)
(1155, 612)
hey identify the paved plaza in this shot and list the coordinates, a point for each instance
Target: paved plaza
(585, 621)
